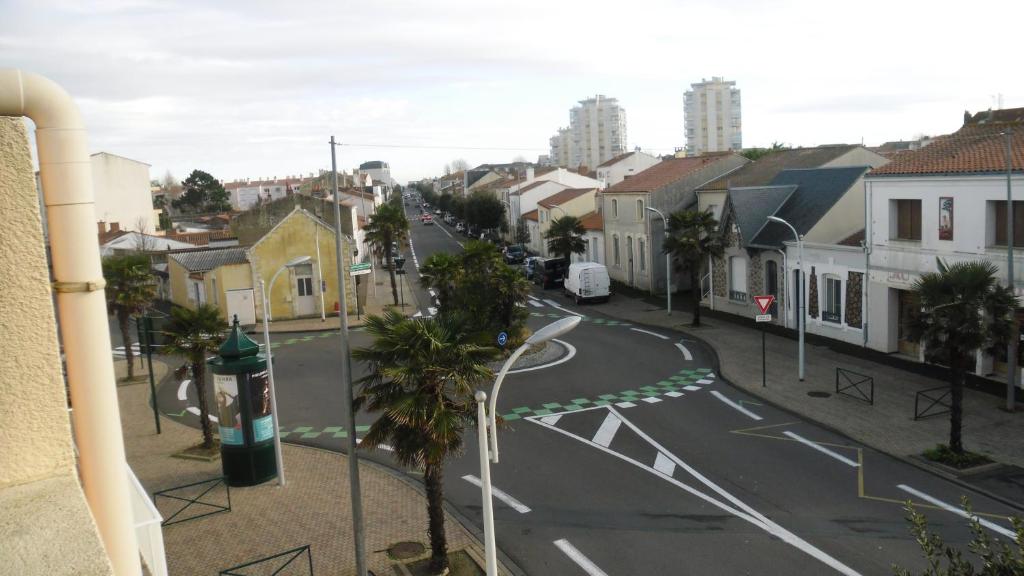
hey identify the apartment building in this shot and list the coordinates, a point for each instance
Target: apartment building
(596, 133)
(712, 117)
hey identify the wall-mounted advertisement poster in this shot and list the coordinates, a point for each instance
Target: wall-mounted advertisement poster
(259, 399)
(945, 218)
(229, 415)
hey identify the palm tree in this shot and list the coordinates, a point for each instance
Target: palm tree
(441, 271)
(194, 335)
(565, 237)
(387, 227)
(130, 288)
(422, 375)
(962, 309)
(692, 237)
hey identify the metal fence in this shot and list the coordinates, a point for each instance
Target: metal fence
(211, 507)
(855, 385)
(931, 398)
(288, 557)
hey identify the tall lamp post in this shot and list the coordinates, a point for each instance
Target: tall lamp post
(668, 265)
(483, 423)
(1011, 356)
(297, 261)
(800, 286)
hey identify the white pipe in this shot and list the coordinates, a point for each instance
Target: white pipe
(66, 175)
(273, 391)
(490, 552)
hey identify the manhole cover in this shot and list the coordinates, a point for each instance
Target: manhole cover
(818, 394)
(406, 550)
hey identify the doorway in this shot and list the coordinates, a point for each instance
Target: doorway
(305, 303)
(906, 312)
(629, 258)
(771, 286)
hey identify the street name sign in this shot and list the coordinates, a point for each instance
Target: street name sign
(360, 269)
(764, 302)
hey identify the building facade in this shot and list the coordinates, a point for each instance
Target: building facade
(712, 117)
(123, 193)
(561, 148)
(623, 166)
(596, 133)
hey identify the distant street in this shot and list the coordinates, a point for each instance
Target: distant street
(629, 451)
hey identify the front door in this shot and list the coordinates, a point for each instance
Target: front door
(771, 286)
(305, 303)
(629, 257)
(906, 311)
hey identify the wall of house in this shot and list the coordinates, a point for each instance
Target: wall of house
(122, 191)
(845, 218)
(624, 224)
(43, 511)
(714, 199)
(526, 201)
(595, 248)
(845, 263)
(629, 166)
(177, 279)
(230, 277)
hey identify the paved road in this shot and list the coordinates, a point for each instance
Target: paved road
(634, 457)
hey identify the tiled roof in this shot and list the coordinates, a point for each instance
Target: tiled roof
(204, 260)
(761, 171)
(978, 147)
(559, 198)
(615, 160)
(592, 221)
(531, 215)
(665, 172)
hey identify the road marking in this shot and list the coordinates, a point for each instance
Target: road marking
(950, 508)
(686, 353)
(551, 302)
(691, 388)
(626, 405)
(450, 236)
(607, 430)
(417, 314)
(821, 449)
(664, 464)
(183, 390)
(500, 495)
(652, 399)
(555, 305)
(432, 310)
(554, 418)
(704, 381)
(719, 395)
(674, 394)
(535, 304)
(380, 446)
(531, 296)
(578, 557)
(649, 332)
(194, 410)
(566, 358)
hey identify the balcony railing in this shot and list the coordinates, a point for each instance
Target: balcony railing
(148, 530)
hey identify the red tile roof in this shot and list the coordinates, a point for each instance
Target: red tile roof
(531, 215)
(559, 198)
(592, 221)
(978, 147)
(665, 173)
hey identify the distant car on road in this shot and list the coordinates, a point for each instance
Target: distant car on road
(460, 227)
(515, 254)
(427, 220)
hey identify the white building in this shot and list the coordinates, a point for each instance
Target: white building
(245, 194)
(623, 166)
(378, 171)
(561, 148)
(712, 116)
(596, 133)
(123, 194)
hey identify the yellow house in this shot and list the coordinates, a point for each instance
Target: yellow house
(576, 202)
(297, 256)
(220, 277)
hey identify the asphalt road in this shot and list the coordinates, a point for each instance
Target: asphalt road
(633, 457)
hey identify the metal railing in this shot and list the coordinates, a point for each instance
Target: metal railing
(848, 380)
(933, 399)
(705, 286)
(189, 502)
(294, 553)
(737, 296)
(147, 528)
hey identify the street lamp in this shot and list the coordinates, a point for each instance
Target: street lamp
(800, 286)
(668, 264)
(553, 330)
(298, 261)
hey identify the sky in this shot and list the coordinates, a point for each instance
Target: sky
(255, 89)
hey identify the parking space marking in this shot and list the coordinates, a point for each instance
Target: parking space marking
(950, 508)
(578, 557)
(739, 408)
(821, 449)
(500, 495)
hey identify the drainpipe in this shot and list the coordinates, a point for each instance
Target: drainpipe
(66, 176)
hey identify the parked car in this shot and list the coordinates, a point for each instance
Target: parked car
(460, 227)
(548, 272)
(515, 254)
(587, 281)
(528, 266)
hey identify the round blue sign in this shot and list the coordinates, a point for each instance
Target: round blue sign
(502, 339)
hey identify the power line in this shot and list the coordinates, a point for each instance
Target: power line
(429, 147)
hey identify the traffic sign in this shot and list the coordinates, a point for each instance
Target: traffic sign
(763, 317)
(360, 269)
(502, 339)
(764, 302)
(399, 262)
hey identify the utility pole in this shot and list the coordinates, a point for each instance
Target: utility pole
(346, 381)
(1011, 360)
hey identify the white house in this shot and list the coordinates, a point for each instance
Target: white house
(123, 194)
(625, 166)
(244, 194)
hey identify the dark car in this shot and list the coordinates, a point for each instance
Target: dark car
(515, 254)
(549, 272)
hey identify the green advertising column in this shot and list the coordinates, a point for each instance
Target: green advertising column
(242, 391)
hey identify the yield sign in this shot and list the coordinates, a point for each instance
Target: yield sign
(763, 302)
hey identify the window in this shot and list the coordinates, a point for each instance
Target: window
(832, 306)
(305, 286)
(543, 217)
(615, 247)
(643, 254)
(1018, 223)
(214, 281)
(640, 210)
(615, 212)
(738, 279)
(908, 219)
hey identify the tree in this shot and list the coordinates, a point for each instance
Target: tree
(144, 242)
(169, 181)
(202, 193)
(444, 202)
(387, 227)
(962, 309)
(758, 153)
(130, 288)
(194, 335)
(422, 376)
(565, 237)
(459, 164)
(522, 232)
(442, 272)
(484, 211)
(692, 237)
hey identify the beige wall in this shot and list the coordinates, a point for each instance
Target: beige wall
(43, 512)
(583, 204)
(122, 191)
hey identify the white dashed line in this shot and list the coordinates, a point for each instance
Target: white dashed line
(624, 405)
(674, 394)
(664, 464)
(578, 557)
(739, 408)
(686, 353)
(652, 399)
(500, 495)
(607, 430)
(949, 508)
(821, 449)
(649, 332)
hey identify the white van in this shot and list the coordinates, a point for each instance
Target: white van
(587, 281)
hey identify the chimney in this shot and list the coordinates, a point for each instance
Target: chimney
(101, 227)
(529, 173)
(115, 227)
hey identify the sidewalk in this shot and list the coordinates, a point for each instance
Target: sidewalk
(313, 508)
(888, 425)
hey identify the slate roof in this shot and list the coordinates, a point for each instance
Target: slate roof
(559, 198)
(664, 173)
(817, 191)
(977, 147)
(762, 171)
(592, 221)
(205, 260)
(751, 207)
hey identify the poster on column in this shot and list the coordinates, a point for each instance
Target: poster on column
(259, 399)
(229, 416)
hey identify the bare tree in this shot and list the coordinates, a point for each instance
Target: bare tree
(459, 164)
(144, 242)
(168, 181)
(447, 169)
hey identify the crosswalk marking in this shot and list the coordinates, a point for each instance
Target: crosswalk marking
(607, 430)
(536, 304)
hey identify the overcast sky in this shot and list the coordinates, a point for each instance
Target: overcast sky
(256, 88)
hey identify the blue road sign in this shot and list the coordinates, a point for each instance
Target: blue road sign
(502, 339)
